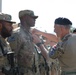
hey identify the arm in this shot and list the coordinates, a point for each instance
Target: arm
(55, 52)
(42, 48)
(49, 36)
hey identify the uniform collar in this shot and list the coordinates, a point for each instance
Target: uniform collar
(66, 37)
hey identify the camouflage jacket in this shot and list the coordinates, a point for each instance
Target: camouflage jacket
(42, 62)
(21, 42)
(6, 48)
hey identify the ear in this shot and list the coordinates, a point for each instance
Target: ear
(0, 26)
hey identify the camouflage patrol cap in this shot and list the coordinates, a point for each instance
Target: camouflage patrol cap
(6, 17)
(63, 21)
(27, 12)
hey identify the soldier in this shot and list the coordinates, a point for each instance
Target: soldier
(22, 43)
(5, 31)
(65, 50)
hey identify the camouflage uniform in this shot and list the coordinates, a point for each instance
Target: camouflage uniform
(41, 65)
(5, 49)
(41, 61)
(27, 58)
(3, 58)
(65, 51)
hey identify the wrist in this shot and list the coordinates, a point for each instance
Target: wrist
(39, 44)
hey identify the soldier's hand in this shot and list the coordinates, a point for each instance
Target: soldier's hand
(36, 39)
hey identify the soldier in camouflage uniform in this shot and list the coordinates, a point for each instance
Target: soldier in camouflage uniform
(22, 43)
(5, 31)
(65, 50)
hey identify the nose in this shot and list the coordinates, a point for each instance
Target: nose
(11, 27)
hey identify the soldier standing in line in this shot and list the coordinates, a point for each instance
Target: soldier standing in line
(22, 43)
(5, 31)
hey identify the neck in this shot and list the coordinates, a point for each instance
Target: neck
(64, 35)
(25, 25)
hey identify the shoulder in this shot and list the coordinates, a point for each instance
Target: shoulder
(14, 35)
(72, 37)
(71, 40)
(69, 37)
(16, 31)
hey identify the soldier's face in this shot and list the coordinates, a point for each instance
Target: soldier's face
(6, 29)
(57, 30)
(30, 21)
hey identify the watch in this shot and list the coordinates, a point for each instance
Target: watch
(38, 44)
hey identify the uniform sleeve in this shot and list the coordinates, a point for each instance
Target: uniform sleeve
(14, 42)
(56, 51)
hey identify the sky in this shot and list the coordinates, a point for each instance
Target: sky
(47, 10)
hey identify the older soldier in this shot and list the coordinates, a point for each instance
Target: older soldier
(22, 43)
(5, 31)
(65, 50)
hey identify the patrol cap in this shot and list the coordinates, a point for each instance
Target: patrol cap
(27, 12)
(63, 21)
(6, 17)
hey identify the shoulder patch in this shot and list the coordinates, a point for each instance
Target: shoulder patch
(10, 39)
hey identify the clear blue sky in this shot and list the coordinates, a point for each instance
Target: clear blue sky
(47, 10)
